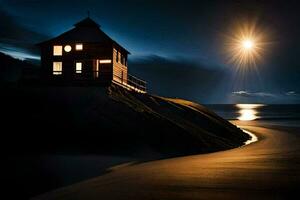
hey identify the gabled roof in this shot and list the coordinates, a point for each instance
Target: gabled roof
(87, 31)
(87, 22)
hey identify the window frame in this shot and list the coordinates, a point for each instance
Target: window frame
(117, 56)
(81, 67)
(55, 50)
(55, 71)
(105, 61)
(69, 48)
(120, 57)
(79, 49)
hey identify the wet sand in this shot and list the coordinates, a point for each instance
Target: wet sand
(266, 169)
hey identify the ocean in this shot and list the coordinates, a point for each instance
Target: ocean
(288, 113)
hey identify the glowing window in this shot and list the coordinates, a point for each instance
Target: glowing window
(119, 56)
(57, 50)
(79, 47)
(105, 61)
(96, 73)
(57, 68)
(68, 48)
(78, 67)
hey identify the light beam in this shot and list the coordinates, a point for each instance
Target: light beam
(245, 45)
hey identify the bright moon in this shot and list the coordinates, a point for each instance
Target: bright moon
(245, 45)
(248, 44)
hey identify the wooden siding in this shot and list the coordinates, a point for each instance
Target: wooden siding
(93, 72)
(119, 70)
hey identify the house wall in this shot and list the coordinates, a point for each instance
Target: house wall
(119, 69)
(89, 55)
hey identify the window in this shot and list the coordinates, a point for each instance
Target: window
(79, 47)
(96, 72)
(57, 68)
(117, 56)
(105, 61)
(78, 67)
(57, 50)
(123, 60)
(68, 48)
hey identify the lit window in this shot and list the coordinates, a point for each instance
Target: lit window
(79, 47)
(68, 48)
(105, 61)
(78, 67)
(57, 50)
(119, 56)
(57, 68)
(96, 73)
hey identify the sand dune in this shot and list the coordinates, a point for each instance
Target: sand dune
(267, 169)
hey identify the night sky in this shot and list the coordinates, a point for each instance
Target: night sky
(178, 47)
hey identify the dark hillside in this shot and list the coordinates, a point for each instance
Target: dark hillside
(110, 121)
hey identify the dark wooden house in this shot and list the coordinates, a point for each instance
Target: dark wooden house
(86, 55)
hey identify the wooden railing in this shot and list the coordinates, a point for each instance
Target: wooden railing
(137, 83)
(131, 82)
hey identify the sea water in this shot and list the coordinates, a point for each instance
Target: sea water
(274, 113)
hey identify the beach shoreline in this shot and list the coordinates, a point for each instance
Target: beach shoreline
(264, 169)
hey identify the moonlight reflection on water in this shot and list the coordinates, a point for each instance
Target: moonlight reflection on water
(248, 112)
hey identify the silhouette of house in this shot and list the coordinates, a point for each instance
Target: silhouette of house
(86, 55)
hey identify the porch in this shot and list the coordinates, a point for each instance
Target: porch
(131, 83)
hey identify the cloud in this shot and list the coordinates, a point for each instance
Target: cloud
(265, 97)
(176, 77)
(18, 53)
(243, 93)
(17, 39)
(291, 93)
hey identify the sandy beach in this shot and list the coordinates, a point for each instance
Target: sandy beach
(266, 169)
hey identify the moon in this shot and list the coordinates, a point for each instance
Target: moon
(248, 44)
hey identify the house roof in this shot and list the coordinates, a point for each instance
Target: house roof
(87, 22)
(86, 30)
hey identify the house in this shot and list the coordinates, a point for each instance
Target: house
(86, 55)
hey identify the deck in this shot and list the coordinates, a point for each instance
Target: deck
(131, 83)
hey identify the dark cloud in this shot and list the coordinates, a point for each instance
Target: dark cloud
(291, 93)
(253, 94)
(265, 97)
(178, 77)
(191, 29)
(17, 37)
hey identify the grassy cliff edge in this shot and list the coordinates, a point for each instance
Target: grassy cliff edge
(112, 121)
